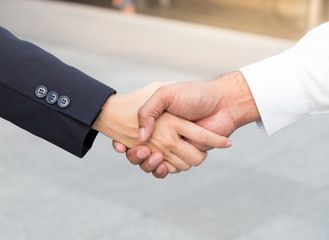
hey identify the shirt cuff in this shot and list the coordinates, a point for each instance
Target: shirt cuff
(277, 91)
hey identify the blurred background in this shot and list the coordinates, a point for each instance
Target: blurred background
(260, 189)
(280, 18)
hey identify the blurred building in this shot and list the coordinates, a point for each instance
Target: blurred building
(281, 18)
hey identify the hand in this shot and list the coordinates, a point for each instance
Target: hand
(221, 106)
(118, 120)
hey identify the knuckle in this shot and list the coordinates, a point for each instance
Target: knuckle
(174, 171)
(168, 142)
(133, 160)
(141, 113)
(203, 138)
(197, 161)
(162, 88)
(145, 168)
(156, 175)
(185, 167)
(170, 125)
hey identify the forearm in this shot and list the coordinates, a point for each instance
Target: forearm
(294, 84)
(277, 91)
(24, 67)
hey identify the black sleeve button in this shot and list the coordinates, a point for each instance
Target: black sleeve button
(41, 91)
(52, 97)
(63, 102)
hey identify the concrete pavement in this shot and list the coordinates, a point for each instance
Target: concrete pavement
(261, 188)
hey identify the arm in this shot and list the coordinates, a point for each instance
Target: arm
(24, 67)
(294, 84)
(285, 88)
(88, 109)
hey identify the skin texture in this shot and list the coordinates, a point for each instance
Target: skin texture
(118, 120)
(222, 106)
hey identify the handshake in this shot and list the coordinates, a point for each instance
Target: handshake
(168, 128)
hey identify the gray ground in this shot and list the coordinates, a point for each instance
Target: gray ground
(262, 188)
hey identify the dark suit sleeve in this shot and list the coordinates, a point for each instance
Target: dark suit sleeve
(24, 67)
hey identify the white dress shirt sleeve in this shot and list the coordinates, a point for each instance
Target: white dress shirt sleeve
(293, 84)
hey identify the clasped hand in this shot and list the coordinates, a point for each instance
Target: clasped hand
(173, 141)
(168, 128)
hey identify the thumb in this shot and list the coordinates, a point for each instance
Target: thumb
(150, 111)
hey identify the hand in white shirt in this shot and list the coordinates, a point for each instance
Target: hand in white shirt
(284, 89)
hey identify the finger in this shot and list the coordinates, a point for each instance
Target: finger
(191, 155)
(177, 162)
(171, 168)
(161, 171)
(151, 110)
(119, 147)
(202, 148)
(138, 154)
(201, 135)
(152, 162)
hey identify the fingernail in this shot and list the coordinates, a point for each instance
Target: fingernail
(159, 171)
(228, 144)
(141, 134)
(153, 161)
(142, 154)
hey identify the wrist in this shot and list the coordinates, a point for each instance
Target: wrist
(100, 123)
(118, 118)
(117, 121)
(237, 99)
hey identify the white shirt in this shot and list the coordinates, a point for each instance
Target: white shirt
(293, 84)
